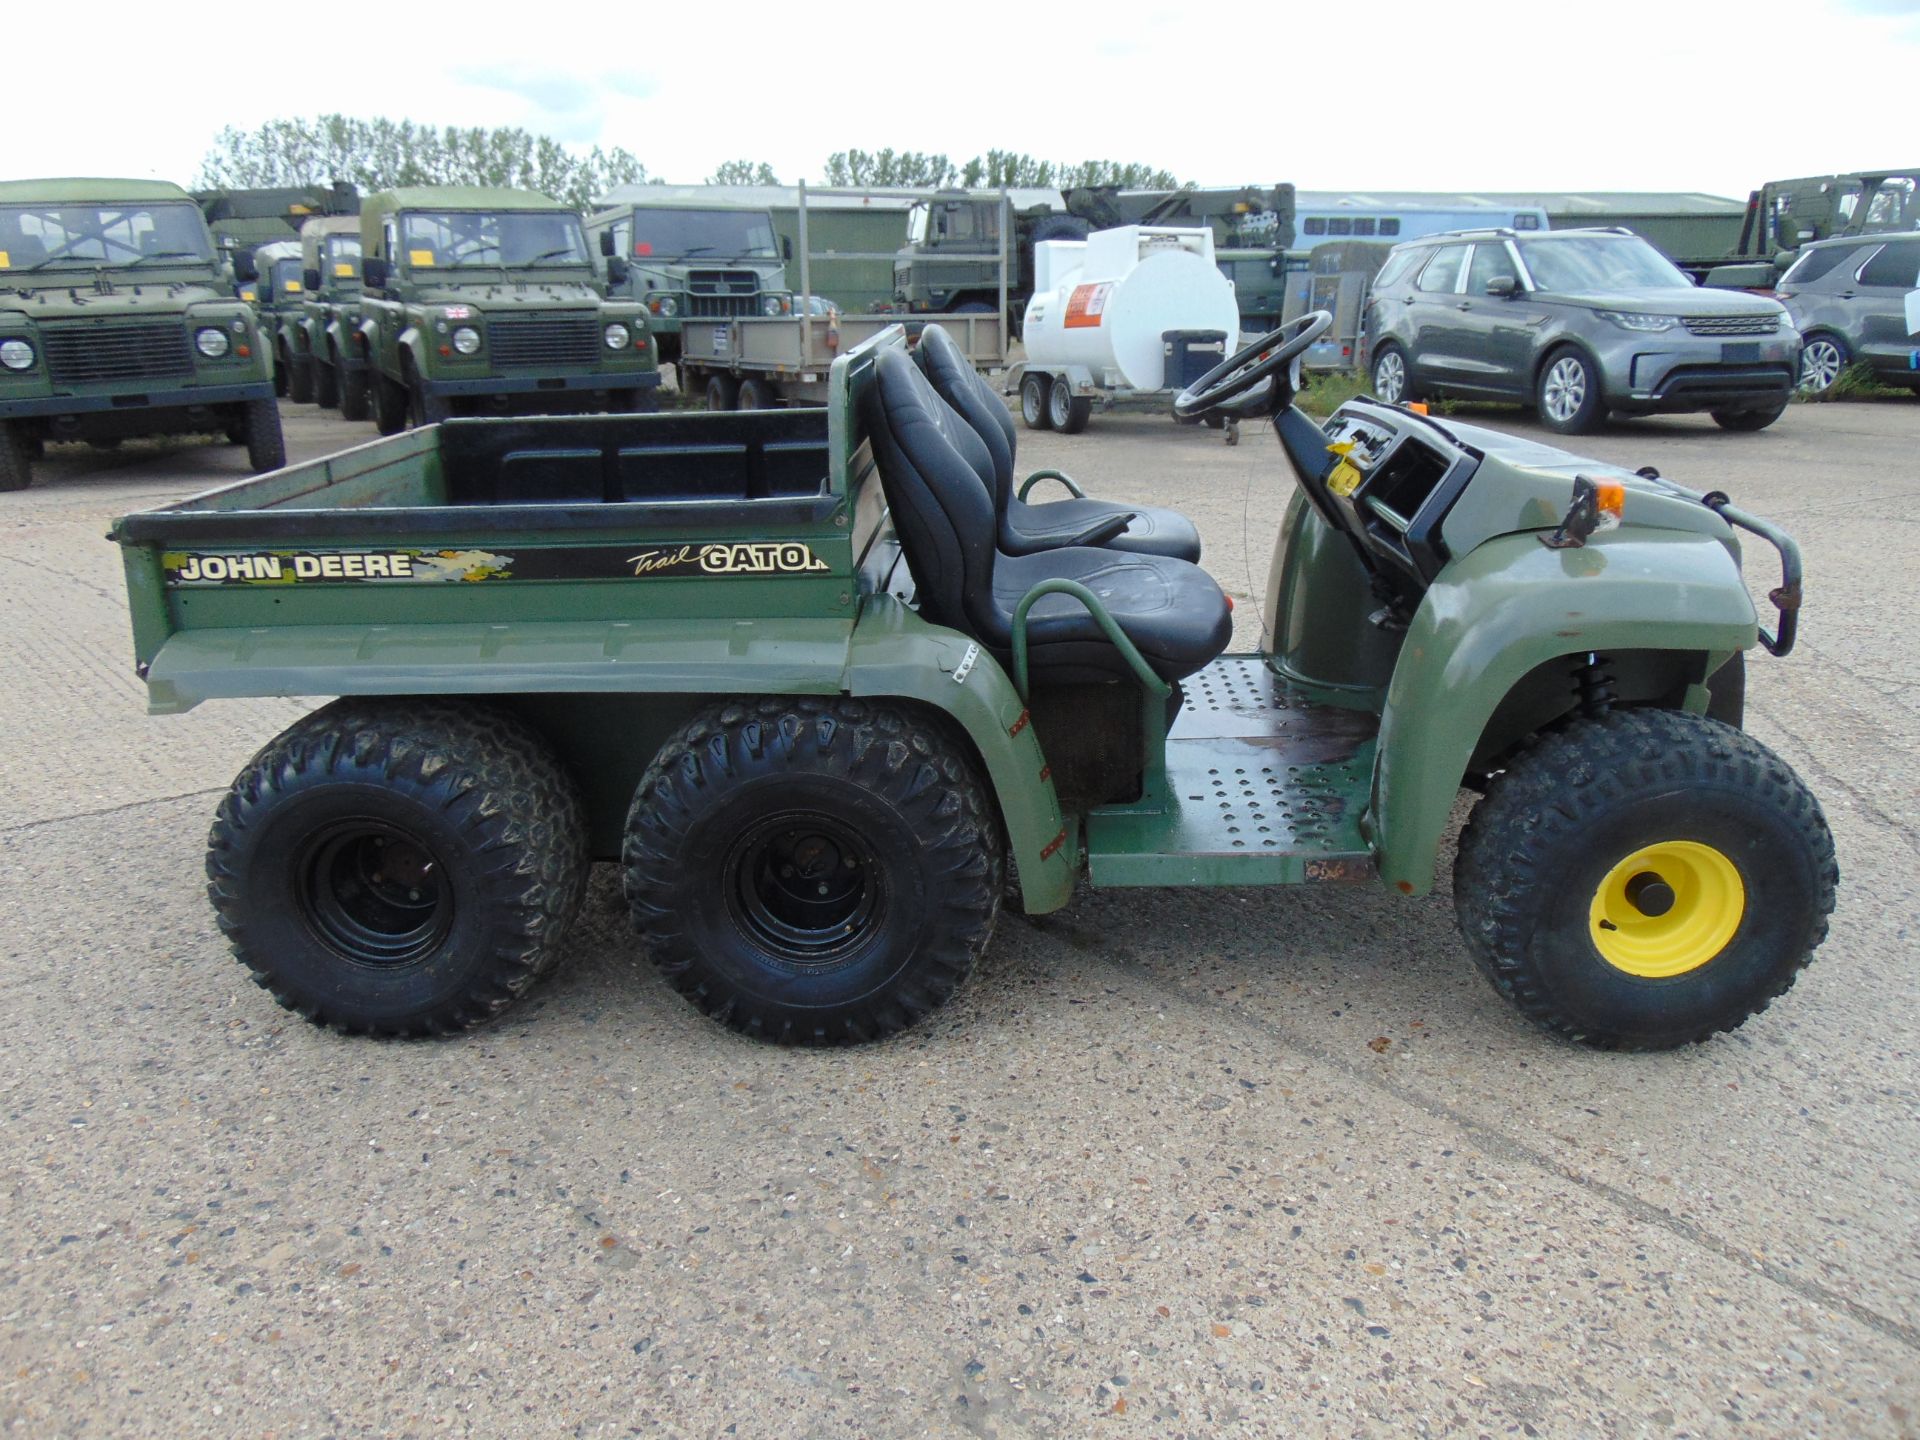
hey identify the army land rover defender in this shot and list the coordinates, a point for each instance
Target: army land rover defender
(275, 291)
(477, 300)
(329, 365)
(116, 320)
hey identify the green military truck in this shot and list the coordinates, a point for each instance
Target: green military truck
(822, 686)
(275, 292)
(476, 299)
(959, 242)
(328, 363)
(689, 261)
(1783, 215)
(117, 319)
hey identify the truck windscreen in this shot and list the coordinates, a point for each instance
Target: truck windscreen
(58, 235)
(343, 257)
(474, 237)
(722, 234)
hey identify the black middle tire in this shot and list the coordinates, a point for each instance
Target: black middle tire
(1067, 412)
(16, 460)
(1645, 879)
(1567, 393)
(1034, 393)
(813, 872)
(266, 446)
(300, 379)
(399, 867)
(356, 394)
(326, 385)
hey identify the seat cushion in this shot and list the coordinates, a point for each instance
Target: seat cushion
(1173, 612)
(1153, 531)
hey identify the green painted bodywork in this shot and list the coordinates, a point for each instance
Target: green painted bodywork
(653, 279)
(188, 292)
(328, 325)
(400, 329)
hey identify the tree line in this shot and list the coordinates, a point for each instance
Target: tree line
(382, 153)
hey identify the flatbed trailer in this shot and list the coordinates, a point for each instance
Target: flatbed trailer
(755, 364)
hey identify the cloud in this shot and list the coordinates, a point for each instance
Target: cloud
(566, 104)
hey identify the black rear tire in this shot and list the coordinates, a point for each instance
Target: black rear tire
(1731, 849)
(389, 404)
(16, 460)
(266, 446)
(1067, 412)
(300, 380)
(356, 394)
(1035, 390)
(757, 394)
(722, 393)
(813, 872)
(1749, 420)
(326, 385)
(399, 867)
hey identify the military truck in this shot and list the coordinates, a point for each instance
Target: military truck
(1783, 215)
(822, 687)
(243, 220)
(276, 292)
(328, 362)
(690, 261)
(117, 320)
(476, 299)
(954, 253)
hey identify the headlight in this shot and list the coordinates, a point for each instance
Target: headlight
(1633, 320)
(210, 342)
(16, 354)
(773, 305)
(617, 336)
(665, 305)
(466, 340)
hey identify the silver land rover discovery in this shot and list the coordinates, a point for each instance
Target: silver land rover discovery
(1578, 323)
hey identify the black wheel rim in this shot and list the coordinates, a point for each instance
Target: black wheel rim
(806, 888)
(373, 893)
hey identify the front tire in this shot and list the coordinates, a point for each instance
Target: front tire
(1067, 412)
(813, 872)
(399, 867)
(1746, 421)
(1035, 390)
(1644, 880)
(389, 404)
(266, 446)
(326, 385)
(300, 379)
(16, 459)
(356, 394)
(1567, 394)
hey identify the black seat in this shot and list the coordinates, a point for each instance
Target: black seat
(1172, 611)
(1023, 528)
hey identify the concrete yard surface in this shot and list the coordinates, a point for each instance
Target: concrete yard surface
(1175, 1163)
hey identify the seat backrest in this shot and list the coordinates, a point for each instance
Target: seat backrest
(959, 384)
(941, 510)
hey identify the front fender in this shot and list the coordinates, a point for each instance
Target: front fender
(1496, 613)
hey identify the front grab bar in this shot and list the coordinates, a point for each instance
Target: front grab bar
(1786, 599)
(1108, 625)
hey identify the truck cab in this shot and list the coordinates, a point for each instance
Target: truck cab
(276, 292)
(325, 362)
(689, 262)
(118, 319)
(485, 300)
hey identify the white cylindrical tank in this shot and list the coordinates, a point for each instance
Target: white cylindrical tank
(1103, 303)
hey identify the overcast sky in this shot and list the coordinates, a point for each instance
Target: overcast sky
(1607, 94)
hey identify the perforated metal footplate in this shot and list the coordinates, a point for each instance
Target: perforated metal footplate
(1264, 787)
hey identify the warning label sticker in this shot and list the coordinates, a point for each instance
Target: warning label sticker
(1086, 306)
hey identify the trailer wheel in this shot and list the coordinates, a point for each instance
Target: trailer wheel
(813, 872)
(356, 394)
(1034, 393)
(757, 394)
(300, 379)
(1067, 412)
(722, 392)
(399, 867)
(326, 385)
(1644, 880)
(266, 446)
(389, 404)
(16, 459)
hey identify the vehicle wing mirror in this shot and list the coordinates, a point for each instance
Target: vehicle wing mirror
(617, 271)
(373, 272)
(606, 243)
(786, 247)
(1503, 287)
(310, 279)
(244, 270)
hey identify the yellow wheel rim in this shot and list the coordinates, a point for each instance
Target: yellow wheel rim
(1667, 909)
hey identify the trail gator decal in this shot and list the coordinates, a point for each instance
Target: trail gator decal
(717, 559)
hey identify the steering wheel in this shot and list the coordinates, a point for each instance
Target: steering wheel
(1273, 353)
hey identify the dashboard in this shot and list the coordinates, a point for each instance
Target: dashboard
(1394, 477)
